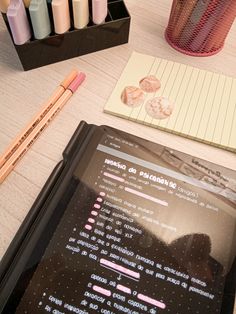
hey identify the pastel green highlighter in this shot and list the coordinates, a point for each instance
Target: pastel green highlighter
(40, 18)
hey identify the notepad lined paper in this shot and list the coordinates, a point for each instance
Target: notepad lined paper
(204, 102)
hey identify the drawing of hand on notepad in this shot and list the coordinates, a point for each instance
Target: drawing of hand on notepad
(156, 107)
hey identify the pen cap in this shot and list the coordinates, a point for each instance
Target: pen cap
(80, 13)
(99, 10)
(4, 4)
(40, 19)
(18, 22)
(61, 16)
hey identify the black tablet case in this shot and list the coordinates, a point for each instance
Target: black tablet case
(11, 264)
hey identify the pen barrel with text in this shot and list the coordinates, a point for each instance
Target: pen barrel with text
(12, 162)
(200, 27)
(46, 107)
(15, 157)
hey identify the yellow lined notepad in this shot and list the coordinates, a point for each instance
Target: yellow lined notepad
(204, 102)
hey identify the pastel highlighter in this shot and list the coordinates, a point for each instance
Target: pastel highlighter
(47, 106)
(61, 16)
(18, 22)
(80, 13)
(4, 4)
(99, 9)
(40, 18)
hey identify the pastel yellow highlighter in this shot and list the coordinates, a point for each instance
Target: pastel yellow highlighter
(80, 13)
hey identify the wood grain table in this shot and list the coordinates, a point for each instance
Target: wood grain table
(22, 93)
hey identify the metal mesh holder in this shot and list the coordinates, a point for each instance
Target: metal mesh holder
(200, 27)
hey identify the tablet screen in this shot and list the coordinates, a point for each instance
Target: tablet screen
(144, 229)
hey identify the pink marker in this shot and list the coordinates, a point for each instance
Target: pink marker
(94, 213)
(18, 22)
(102, 194)
(99, 8)
(99, 199)
(88, 227)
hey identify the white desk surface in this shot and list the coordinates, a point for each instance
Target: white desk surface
(22, 93)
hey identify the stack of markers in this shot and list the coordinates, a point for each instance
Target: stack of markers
(199, 27)
(37, 19)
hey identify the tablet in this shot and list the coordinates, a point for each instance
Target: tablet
(124, 225)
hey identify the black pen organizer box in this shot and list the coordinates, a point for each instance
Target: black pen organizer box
(77, 42)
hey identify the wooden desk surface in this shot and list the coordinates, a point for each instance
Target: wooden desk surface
(22, 94)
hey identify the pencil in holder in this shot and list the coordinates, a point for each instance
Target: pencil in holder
(200, 27)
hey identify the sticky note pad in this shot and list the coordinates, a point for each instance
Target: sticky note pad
(191, 102)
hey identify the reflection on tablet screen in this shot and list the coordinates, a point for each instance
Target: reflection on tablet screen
(143, 230)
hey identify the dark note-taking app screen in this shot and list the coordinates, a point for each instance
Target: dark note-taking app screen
(143, 229)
